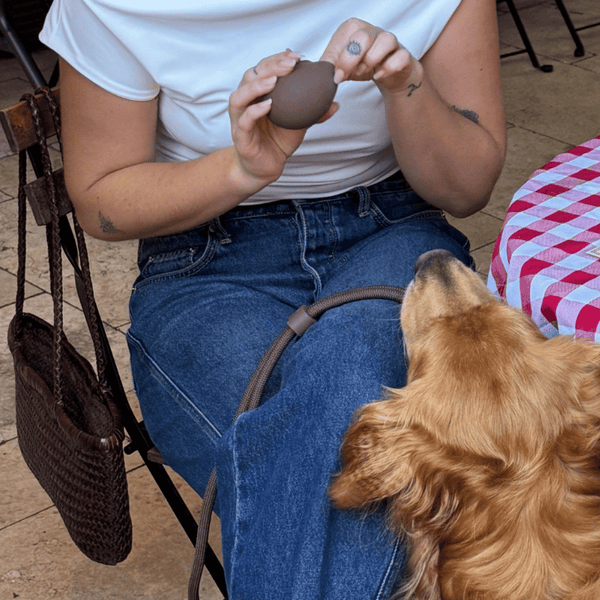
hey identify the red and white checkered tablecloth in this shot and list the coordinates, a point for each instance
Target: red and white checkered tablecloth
(547, 257)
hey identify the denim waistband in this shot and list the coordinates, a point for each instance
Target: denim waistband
(360, 196)
(393, 183)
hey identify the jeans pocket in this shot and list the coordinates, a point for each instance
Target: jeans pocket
(158, 263)
(399, 207)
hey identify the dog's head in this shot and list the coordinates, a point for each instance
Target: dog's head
(495, 417)
(481, 376)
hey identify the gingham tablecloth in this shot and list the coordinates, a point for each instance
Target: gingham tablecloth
(547, 257)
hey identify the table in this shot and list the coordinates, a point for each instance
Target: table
(546, 260)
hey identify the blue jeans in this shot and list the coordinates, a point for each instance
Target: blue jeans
(207, 305)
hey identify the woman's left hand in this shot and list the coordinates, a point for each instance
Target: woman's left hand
(361, 52)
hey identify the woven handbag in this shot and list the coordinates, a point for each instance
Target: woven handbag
(69, 429)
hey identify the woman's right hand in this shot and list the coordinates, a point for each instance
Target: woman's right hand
(263, 148)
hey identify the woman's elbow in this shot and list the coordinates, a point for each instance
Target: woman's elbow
(87, 207)
(465, 208)
(475, 193)
(92, 221)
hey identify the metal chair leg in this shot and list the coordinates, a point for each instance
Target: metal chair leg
(528, 47)
(579, 50)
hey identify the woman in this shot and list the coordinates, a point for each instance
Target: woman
(242, 222)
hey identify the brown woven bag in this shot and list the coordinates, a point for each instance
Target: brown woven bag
(69, 428)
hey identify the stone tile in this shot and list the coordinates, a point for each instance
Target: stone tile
(527, 151)
(9, 173)
(590, 64)
(134, 404)
(11, 91)
(112, 265)
(480, 228)
(548, 32)
(583, 12)
(4, 148)
(9, 169)
(562, 105)
(8, 288)
(483, 259)
(506, 48)
(22, 496)
(40, 561)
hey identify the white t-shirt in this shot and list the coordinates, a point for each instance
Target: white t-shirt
(193, 54)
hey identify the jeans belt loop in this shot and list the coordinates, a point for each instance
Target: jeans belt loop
(217, 228)
(364, 201)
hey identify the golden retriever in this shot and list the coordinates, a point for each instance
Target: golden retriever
(488, 458)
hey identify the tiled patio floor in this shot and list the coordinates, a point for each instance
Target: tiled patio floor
(546, 113)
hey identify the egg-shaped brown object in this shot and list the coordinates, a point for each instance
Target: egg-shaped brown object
(301, 98)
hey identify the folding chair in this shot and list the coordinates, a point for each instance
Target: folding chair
(19, 129)
(579, 50)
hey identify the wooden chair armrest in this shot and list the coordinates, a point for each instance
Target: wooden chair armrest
(18, 125)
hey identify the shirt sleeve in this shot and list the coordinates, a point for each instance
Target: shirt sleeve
(93, 39)
(423, 22)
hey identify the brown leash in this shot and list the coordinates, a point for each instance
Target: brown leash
(297, 324)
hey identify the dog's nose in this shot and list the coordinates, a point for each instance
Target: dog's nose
(431, 257)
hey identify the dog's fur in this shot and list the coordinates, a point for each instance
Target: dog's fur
(488, 458)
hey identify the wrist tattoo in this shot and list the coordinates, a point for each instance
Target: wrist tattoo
(354, 48)
(106, 225)
(467, 114)
(412, 87)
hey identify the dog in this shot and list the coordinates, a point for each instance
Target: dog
(488, 458)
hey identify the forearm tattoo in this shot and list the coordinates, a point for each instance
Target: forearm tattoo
(354, 48)
(412, 87)
(106, 225)
(468, 114)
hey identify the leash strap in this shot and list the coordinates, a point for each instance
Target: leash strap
(297, 324)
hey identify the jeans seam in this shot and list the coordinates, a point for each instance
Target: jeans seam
(166, 382)
(237, 520)
(380, 217)
(333, 254)
(383, 588)
(300, 222)
(283, 213)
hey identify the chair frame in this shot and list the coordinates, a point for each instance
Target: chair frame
(579, 49)
(19, 129)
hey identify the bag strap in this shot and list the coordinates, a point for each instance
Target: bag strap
(297, 324)
(54, 241)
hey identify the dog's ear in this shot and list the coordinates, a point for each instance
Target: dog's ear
(373, 461)
(384, 456)
(387, 457)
